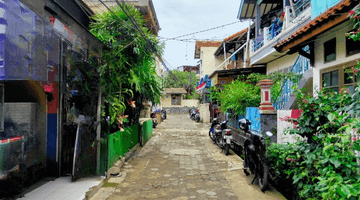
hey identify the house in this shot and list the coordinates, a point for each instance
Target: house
(332, 53)
(173, 101)
(275, 20)
(42, 45)
(188, 68)
(234, 53)
(204, 50)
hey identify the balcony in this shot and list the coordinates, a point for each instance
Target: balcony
(279, 30)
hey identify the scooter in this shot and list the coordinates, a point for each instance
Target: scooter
(223, 136)
(212, 129)
(192, 114)
(163, 114)
(197, 116)
(155, 122)
(256, 161)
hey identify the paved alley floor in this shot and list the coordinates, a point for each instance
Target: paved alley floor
(181, 162)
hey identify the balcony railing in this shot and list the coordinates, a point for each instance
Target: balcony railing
(273, 30)
(301, 65)
(257, 43)
(300, 6)
(277, 27)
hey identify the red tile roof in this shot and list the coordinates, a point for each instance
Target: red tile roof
(231, 37)
(200, 44)
(320, 20)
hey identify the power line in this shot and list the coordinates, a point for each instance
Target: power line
(204, 30)
(137, 28)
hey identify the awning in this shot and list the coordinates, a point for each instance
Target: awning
(247, 7)
(237, 72)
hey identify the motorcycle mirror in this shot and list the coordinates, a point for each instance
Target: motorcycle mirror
(269, 134)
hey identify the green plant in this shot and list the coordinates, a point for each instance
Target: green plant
(185, 80)
(244, 92)
(128, 71)
(238, 95)
(323, 166)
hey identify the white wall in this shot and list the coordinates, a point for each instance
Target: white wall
(190, 102)
(209, 61)
(341, 58)
(281, 63)
(282, 126)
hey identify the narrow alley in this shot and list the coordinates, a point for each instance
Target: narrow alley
(181, 162)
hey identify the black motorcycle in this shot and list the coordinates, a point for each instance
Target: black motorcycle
(256, 160)
(163, 115)
(155, 122)
(223, 136)
(212, 129)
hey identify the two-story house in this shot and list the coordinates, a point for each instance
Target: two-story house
(332, 53)
(273, 21)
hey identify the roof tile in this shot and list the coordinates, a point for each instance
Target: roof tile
(315, 22)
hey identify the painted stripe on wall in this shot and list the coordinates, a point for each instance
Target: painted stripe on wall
(51, 144)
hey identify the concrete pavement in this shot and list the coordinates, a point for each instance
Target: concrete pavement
(181, 162)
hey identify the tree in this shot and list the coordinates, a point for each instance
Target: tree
(184, 81)
(128, 71)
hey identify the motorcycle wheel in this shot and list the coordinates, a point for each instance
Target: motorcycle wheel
(263, 178)
(211, 136)
(197, 119)
(226, 149)
(219, 142)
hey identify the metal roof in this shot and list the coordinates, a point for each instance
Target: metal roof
(237, 72)
(247, 8)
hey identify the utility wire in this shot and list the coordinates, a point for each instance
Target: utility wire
(136, 26)
(204, 30)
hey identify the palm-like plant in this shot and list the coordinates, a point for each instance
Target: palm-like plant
(128, 59)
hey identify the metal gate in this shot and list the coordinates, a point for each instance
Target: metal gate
(253, 114)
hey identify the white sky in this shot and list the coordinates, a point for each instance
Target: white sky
(179, 17)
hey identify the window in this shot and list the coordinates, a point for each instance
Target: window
(339, 77)
(331, 80)
(330, 50)
(176, 99)
(352, 47)
(349, 79)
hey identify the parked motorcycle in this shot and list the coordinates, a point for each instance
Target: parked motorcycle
(256, 160)
(163, 114)
(212, 129)
(155, 122)
(197, 116)
(192, 114)
(223, 136)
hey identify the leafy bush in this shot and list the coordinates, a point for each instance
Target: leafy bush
(324, 166)
(244, 92)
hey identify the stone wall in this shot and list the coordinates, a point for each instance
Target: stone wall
(177, 109)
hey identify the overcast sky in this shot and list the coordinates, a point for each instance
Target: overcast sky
(179, 17)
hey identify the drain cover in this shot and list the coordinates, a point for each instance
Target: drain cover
(185, 151)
